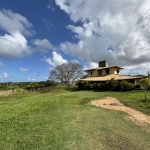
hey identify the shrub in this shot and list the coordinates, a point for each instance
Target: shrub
(125, 86)
(110, 85)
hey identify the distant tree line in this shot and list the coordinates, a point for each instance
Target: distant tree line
(31, 86)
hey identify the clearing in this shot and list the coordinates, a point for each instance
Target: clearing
(64, 120)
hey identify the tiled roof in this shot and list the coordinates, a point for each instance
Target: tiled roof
(108, 77)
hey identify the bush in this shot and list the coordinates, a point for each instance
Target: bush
(110, 85)
(125, 86)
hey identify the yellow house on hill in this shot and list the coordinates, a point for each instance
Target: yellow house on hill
(105, 72)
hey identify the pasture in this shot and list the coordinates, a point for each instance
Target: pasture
(64, 120)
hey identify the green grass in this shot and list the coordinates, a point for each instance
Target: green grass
(64, 121)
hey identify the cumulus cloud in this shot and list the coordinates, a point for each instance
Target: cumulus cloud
(102, 25)
(14, 22)
(75, 61)
(5, 75)
(14, 44)
(43, 45)
(90, 66)
(2, 64)
(141, 69)
(55, 60)
(24, 70)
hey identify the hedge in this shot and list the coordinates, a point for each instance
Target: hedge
(109, 85)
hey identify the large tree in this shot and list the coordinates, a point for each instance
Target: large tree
(67, 73)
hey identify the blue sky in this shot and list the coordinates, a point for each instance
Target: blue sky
(48, 22)
(37, 35)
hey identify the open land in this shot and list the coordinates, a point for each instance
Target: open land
(66, 120)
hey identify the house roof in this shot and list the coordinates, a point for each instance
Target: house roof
(100, 68)
(108, 77)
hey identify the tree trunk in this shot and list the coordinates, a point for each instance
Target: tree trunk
(145, 94)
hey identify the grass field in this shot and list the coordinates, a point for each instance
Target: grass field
(65, 121)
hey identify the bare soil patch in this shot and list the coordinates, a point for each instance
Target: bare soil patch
(112, 103)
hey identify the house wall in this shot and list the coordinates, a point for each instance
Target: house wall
(96, 73)
(111, 71)
(115, 71)
(103, 72)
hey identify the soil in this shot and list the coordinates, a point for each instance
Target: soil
(112, 103)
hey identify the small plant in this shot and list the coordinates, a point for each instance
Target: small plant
(145, 84)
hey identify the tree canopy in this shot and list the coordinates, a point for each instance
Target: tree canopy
(67, 73)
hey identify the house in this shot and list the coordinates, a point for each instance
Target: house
(104, 72)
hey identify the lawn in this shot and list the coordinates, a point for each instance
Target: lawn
(65, 121)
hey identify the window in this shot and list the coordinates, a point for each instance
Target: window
(100, 72)
(91, 72)
(107, 71)
(118, 71)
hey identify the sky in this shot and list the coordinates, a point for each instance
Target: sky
(38, 35)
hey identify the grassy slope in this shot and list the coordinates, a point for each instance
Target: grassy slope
(64, 121)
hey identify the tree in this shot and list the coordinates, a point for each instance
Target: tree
(32, 85)
(145, 83)
(67, 73)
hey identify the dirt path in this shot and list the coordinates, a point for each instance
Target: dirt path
(112, 103)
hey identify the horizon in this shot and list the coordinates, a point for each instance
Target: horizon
(37, 36)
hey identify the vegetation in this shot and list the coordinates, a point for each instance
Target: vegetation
(110, 85)
(145, 83)
(30, 86)
(64, 120)
(67, 73)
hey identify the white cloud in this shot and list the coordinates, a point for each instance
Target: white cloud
(14, 22)
(5, 75)
(24, 70)
(31, 79)
(104, 24)
(2, 64)
(55, 60)
(75, 61)
(90, 66)
(14, 44)
(137, 69)
(43, 45)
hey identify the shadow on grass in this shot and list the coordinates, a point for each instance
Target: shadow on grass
(145, 104)
(85, 101)
(73, 89)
